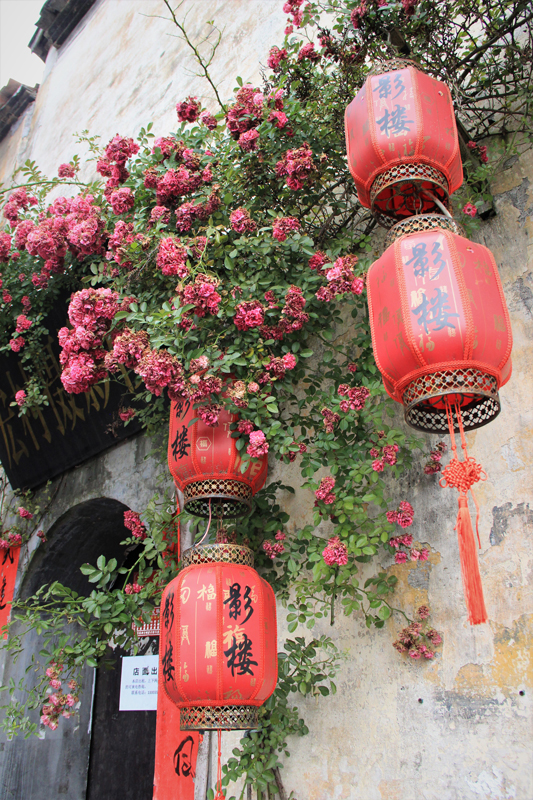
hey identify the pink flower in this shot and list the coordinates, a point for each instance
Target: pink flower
(5, 246)
(424, 555)
(253, 387)
(208, 120)
(241, 222)
(283, 226)
(377, 465)
(249, 314)
(122, 200)
(392, 516)
(248, 140)
(172, 257)
(258, 445)
(470, 209)
(335, 552)
(245, 426)
(400, 558)
(126, 413)
(209, 414)
(17, 344)
(20, 398)
(66, 171)
(415, 554)
(188, 110)
(24, 513)
(275, 57)
(132, 522)
(330, 419)
(55, 683)
(23, 323)
(324, 491)
(289, 361)
(297, 166)
(308, 52)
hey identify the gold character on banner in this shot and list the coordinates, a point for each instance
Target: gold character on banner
(209, 669)
(237, 632)
(207, 593)
(211, 649)
(225, 594)
(499, 324)
(253, 595)
(185, 593)
(185, 634)
(232, 694)
(208, 606)
(185, 677)
(252, 681)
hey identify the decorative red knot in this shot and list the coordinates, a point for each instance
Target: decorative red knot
(462, 474)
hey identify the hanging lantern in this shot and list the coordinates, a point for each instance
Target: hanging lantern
(218, 639)
(206, 465)
(401, 140)
(442, 341)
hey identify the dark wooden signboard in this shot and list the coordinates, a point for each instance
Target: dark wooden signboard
(45, 442)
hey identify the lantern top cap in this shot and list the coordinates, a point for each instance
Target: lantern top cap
(392, 65)
(422, 222)
(227, 553)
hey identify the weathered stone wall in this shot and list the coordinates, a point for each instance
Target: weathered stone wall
(458, 727)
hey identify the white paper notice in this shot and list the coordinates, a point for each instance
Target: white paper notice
(138, 683)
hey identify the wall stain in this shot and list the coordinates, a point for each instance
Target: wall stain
(501, 516)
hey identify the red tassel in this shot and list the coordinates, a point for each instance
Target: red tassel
(462, 475)
(219, 794)
(475, 602)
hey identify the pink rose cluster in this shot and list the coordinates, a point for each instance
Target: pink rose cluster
(132, 588)
(418, 640)
(133, 523)
(296, 167)
(335, 553)
(126, 414)
(433, 464)
(241, 221)
(275, 548)
(293, 317)
(249, 109)
(18, 201)
(118, 242)
(10, 539)
(479, 150)
(249, 314)
(325, 491)
(91, 312)
(113, 166)
(283, 226)
(5, 247)
(209, 414)
(66, 171)
(275, 57)
(58, 703)
(202, 386)
(385, 455)
(308, 52)
(202, 294)
(20, 398)
(188, 110)
(172, 257)
(258, 444)
(330, 419)
(403, 515)
(356, 397)
(302, 448)
(276, 368)
(293, 7)
(341, 279)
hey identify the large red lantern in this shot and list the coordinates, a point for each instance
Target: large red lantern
(442, 341)
(206, 465)
(218, 639)
(401, 139)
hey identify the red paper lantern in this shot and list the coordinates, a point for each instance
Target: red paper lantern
(205, 464)
(218, 639)
(440, 325)
(402, 143)
(442, 341)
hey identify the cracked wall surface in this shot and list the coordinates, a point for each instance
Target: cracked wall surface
(458, 727)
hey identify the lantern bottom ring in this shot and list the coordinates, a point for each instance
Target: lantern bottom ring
(398, 192)
(420, 223)
(214, 718)
(219, 497)
(474, 390)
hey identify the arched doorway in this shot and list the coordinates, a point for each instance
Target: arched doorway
(100, 753)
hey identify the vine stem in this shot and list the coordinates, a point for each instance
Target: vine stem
(197, 54)
(52, 182)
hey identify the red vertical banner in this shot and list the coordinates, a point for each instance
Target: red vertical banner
(176, 752)
(9, 561)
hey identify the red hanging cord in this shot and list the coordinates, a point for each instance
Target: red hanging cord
(462, 475)
(219, 794)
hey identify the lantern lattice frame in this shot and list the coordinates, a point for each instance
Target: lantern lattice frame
(215, 718)
(219, 497)
(402, 191)
(422, 222)
(473, 389)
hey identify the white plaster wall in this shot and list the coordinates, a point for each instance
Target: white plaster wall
(470, 738)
